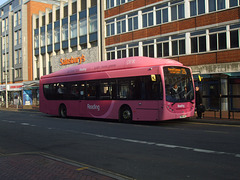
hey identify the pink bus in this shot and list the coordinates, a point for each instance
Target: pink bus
(129, 89)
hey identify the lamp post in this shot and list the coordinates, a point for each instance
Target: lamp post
(6, 75)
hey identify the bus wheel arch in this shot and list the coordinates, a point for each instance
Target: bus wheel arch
(62, 110)
(125, 114)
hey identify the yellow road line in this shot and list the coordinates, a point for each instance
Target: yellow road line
(82, 168)
(212, 124)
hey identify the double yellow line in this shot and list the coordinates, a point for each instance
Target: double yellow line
(212, 124)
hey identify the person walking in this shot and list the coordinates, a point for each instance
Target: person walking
(198, 103)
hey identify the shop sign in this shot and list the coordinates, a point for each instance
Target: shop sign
(72, 60)
(2, 88)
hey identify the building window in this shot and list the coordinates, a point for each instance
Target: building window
(6, 24)
(198, 41)
(147, 17)
(65, 32)
(133, 21)
(73, 32)
(148, 48)
(177, 10)
(36, 41)
(163, 47)
(57, 35)
(234, 35)
(20, 56)
(42, 39)
(18, 73)
(178, 45)
(216, 5)
(133, 50)
(218, 38)
(162, 13)
(74, 7)
(110, 27)
(110, 53)
(20, 36)
(121, 25)
(16, 57)
(16, 38)
(93, 24)
(19, 17)
(49, 37)
(110, 4)
(3, 25)
(83, 26)
(197, 7)
(15, 19)
(121, 51)
(234, 3)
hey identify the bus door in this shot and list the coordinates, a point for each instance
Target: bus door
(150, 92)
(82, 96)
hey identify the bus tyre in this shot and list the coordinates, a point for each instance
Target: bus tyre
(63, 111)
(125, 114)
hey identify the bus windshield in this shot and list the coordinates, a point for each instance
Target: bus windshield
(178, 84)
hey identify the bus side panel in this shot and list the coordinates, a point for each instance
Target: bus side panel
(146, 111)
(98, 109)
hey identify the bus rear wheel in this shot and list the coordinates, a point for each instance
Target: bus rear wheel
(63, 111)
(125, 114)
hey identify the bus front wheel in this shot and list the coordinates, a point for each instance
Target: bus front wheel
(63, 111)
(125, 114)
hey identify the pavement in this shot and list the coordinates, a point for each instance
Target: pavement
(41, 166)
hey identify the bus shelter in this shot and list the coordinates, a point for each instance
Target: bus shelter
(221, 94)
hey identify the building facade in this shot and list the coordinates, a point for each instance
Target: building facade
(16, 44)
(202, 34)
(68, 34)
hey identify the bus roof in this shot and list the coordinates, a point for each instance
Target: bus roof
(124, 63)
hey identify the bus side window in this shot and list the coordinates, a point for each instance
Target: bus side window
(82, 91)
(74, 91)
(106, 90)
(92, 90)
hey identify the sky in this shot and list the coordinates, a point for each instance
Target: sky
(2, 1)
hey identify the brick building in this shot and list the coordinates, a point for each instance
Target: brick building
(203, 34)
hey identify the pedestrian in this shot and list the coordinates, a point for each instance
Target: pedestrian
(198, 103)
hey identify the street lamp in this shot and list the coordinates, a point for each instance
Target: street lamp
(6, 75)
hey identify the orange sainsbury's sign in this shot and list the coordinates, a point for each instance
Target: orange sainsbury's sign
(72, 60)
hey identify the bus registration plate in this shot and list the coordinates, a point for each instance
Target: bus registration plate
(183, 116)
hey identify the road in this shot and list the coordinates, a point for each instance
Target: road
(146, 151)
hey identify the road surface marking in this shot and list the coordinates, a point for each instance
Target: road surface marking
(212, 124)
(82, 168)
(207, 151)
